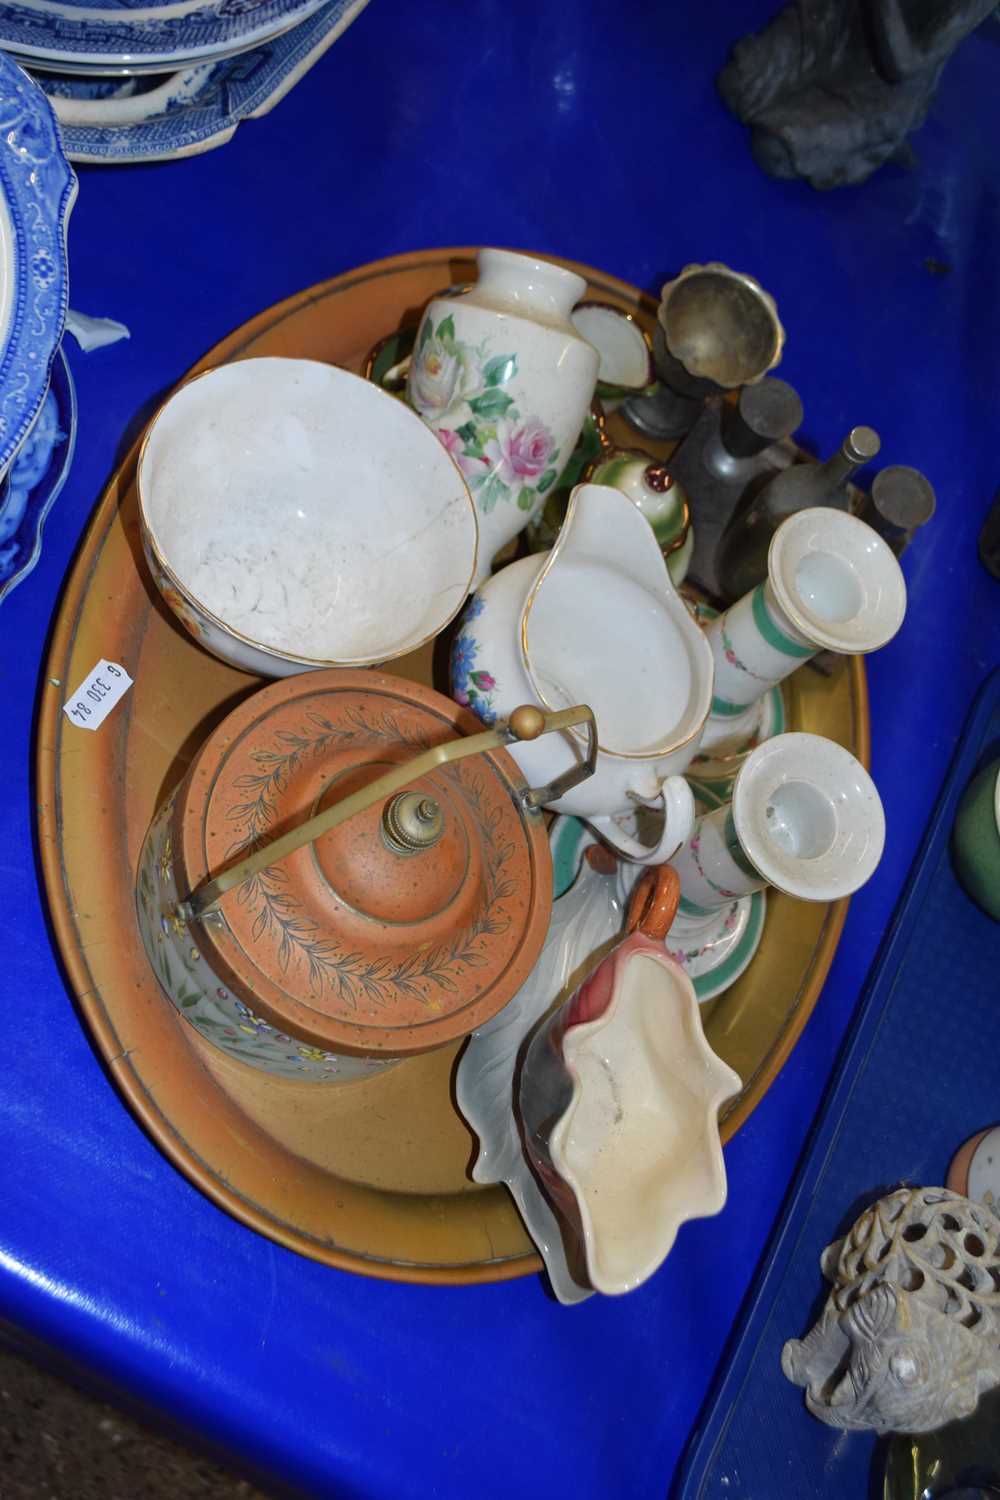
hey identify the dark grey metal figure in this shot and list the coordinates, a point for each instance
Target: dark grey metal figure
(832, 88)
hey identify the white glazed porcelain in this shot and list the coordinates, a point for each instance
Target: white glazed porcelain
(505, 380)
(294, 516)
(597, 620)
(625, 351)
(833, 584)
(639, 1141)
(585, 922)
(805, 817)
(619, 1094)
(660, 499)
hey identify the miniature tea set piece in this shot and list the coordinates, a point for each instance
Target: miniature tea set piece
(659, 497)
(832, 584)
(805, 817)
(310, 916)
(713, 947)
(506, 381)
(541, 628)
(909, 1338)
(717, 329)
(295, 516)
(626, 356)
(619, 1094)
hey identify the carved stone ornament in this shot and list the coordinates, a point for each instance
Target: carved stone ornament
(909, 1338)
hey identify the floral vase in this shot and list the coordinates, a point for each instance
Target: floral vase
(505, 381)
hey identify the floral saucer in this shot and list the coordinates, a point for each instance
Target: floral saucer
(714, 949)
(35, 478)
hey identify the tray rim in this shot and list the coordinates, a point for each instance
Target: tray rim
(70, 955)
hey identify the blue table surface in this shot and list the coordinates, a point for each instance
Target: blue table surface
(591, 131)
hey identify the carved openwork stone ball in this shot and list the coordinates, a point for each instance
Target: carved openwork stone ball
(909, 1338)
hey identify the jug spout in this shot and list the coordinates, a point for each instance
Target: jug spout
(596, 620)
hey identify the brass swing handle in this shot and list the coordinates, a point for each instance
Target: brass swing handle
(525, 723)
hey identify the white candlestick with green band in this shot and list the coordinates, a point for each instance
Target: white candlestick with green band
(805, 817)
(833, 585)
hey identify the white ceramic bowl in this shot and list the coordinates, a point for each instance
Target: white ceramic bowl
(296, 516)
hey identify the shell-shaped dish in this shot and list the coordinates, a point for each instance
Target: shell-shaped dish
(620, 1100)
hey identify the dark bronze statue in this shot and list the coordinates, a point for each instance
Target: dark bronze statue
(832, 88)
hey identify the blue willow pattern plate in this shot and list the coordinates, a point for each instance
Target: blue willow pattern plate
(233, 90)
(36, 477)
(37, 188)
(121, 35)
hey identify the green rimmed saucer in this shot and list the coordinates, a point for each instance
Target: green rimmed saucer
(714, 950)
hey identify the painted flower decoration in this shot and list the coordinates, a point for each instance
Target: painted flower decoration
(520, 451)
(469, 464)
(472, 686)
(467, 394)
(440, 374)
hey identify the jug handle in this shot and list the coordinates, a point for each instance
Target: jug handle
(653, 903)
(677, 800)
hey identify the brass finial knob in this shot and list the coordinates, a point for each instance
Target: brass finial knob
(526, 722)
(411, 822)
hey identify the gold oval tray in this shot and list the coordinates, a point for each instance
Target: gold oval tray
(371, 1176)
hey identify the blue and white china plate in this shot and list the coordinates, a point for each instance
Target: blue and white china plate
(37, 189)
(193, 110)
(35, 479)
(119, 36)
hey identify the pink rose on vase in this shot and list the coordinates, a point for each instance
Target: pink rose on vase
(455, 446)
(519, 452)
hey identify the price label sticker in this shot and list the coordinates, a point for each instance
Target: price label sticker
(97, 695)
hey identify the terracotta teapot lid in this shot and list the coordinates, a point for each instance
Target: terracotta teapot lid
(399, 930)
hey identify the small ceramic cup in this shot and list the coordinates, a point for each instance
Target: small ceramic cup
(975, 841)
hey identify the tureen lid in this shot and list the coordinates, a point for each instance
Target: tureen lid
(403, 928)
